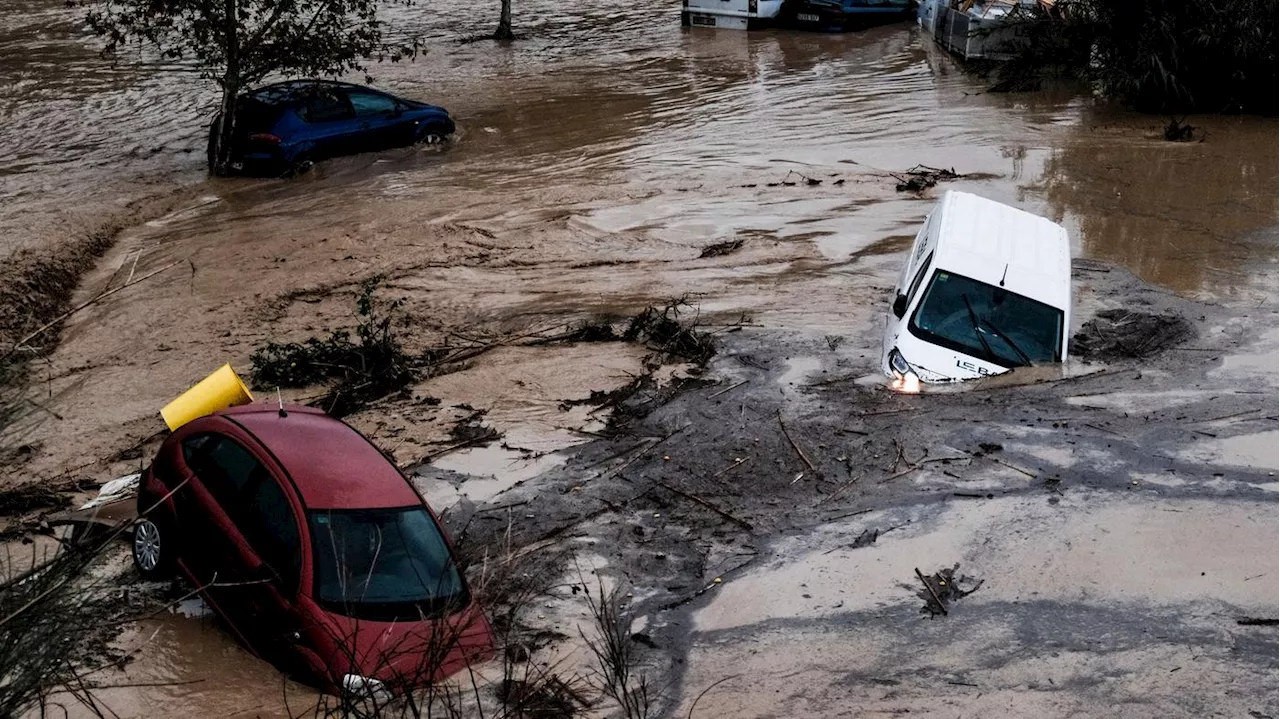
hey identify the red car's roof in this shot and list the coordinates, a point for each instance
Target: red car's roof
(332, 465)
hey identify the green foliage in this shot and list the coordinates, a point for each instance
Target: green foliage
(372, 366)
(241, 42)
(1159, 55)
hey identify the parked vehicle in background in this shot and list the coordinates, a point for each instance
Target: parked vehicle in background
(986, 288)
(312, 546)
(730, 14)
(285, 126)
(984, 29)
(842, 15)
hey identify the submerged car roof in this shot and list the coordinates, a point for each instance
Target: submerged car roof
(1004, 246)
(282, 92)
(332, 465)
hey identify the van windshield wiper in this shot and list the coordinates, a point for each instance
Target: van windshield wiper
(973, 320)
(1026, 358)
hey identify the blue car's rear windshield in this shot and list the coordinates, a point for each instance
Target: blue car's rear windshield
(384, 565)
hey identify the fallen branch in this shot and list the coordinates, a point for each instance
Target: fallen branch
(709, 586)
(839, 491)
(932, 593)
(794, 446)
(54, 322)
(644, 451)
(695, 498)
(730, 387)
(709, 688)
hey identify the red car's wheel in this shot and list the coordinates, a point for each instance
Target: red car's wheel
(152, 549)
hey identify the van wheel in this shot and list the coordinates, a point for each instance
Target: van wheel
(152, 549)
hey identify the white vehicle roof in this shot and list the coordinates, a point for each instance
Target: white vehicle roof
(989, 241)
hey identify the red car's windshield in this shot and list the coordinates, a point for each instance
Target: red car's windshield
(384, 565)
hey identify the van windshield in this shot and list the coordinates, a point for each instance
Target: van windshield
(384, 564)
(987, 322)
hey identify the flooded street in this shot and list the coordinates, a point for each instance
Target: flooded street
(596, 158)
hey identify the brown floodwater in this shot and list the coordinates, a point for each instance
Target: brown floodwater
(595, 158)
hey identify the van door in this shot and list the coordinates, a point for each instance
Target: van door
(897, 324)
(920, 247)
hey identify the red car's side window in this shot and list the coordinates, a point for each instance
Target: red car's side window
(224, 467)
(269, 525)
(252, 498)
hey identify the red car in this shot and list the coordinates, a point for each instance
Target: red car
(312, 546)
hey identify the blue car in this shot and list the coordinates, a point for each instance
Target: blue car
(285, 127)
(842, 15)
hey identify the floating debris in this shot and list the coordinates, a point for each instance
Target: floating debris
(922, 177)
(721, 248)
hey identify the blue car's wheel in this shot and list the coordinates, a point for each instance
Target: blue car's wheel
(433, 135)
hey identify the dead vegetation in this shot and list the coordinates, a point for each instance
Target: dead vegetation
(1120, 334)
(369, 363)
(618, 672)
(942, 588)
(670, 336)
(720, 248)
(922, 177)
(58, 620)
(368, 367)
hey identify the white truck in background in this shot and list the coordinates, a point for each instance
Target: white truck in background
(730, 14)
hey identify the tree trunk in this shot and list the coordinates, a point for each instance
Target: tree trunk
(504, 23)
(220, 135)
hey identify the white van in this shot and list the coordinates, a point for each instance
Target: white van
(986, 288)
(730, 14)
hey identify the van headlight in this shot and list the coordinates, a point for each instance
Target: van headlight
(899, 364)
(905, 379)
(360, 687)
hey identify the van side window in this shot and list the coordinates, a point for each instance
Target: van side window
(266, 520)
(915, 284)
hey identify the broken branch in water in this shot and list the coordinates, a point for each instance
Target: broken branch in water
(922, 177)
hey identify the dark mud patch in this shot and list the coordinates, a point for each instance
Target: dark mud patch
(1125, 334)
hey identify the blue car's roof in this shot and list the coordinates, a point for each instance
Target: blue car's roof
(283, 92)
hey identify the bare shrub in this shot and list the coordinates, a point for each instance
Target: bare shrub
(617, 673)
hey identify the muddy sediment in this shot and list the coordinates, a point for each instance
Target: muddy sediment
(611, 162)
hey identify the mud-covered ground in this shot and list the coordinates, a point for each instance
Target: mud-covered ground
(1121, 521)
(1120, 514)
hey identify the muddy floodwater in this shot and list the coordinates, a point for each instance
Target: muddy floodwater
(596, 158)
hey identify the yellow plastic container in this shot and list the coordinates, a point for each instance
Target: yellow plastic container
(219, 390)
